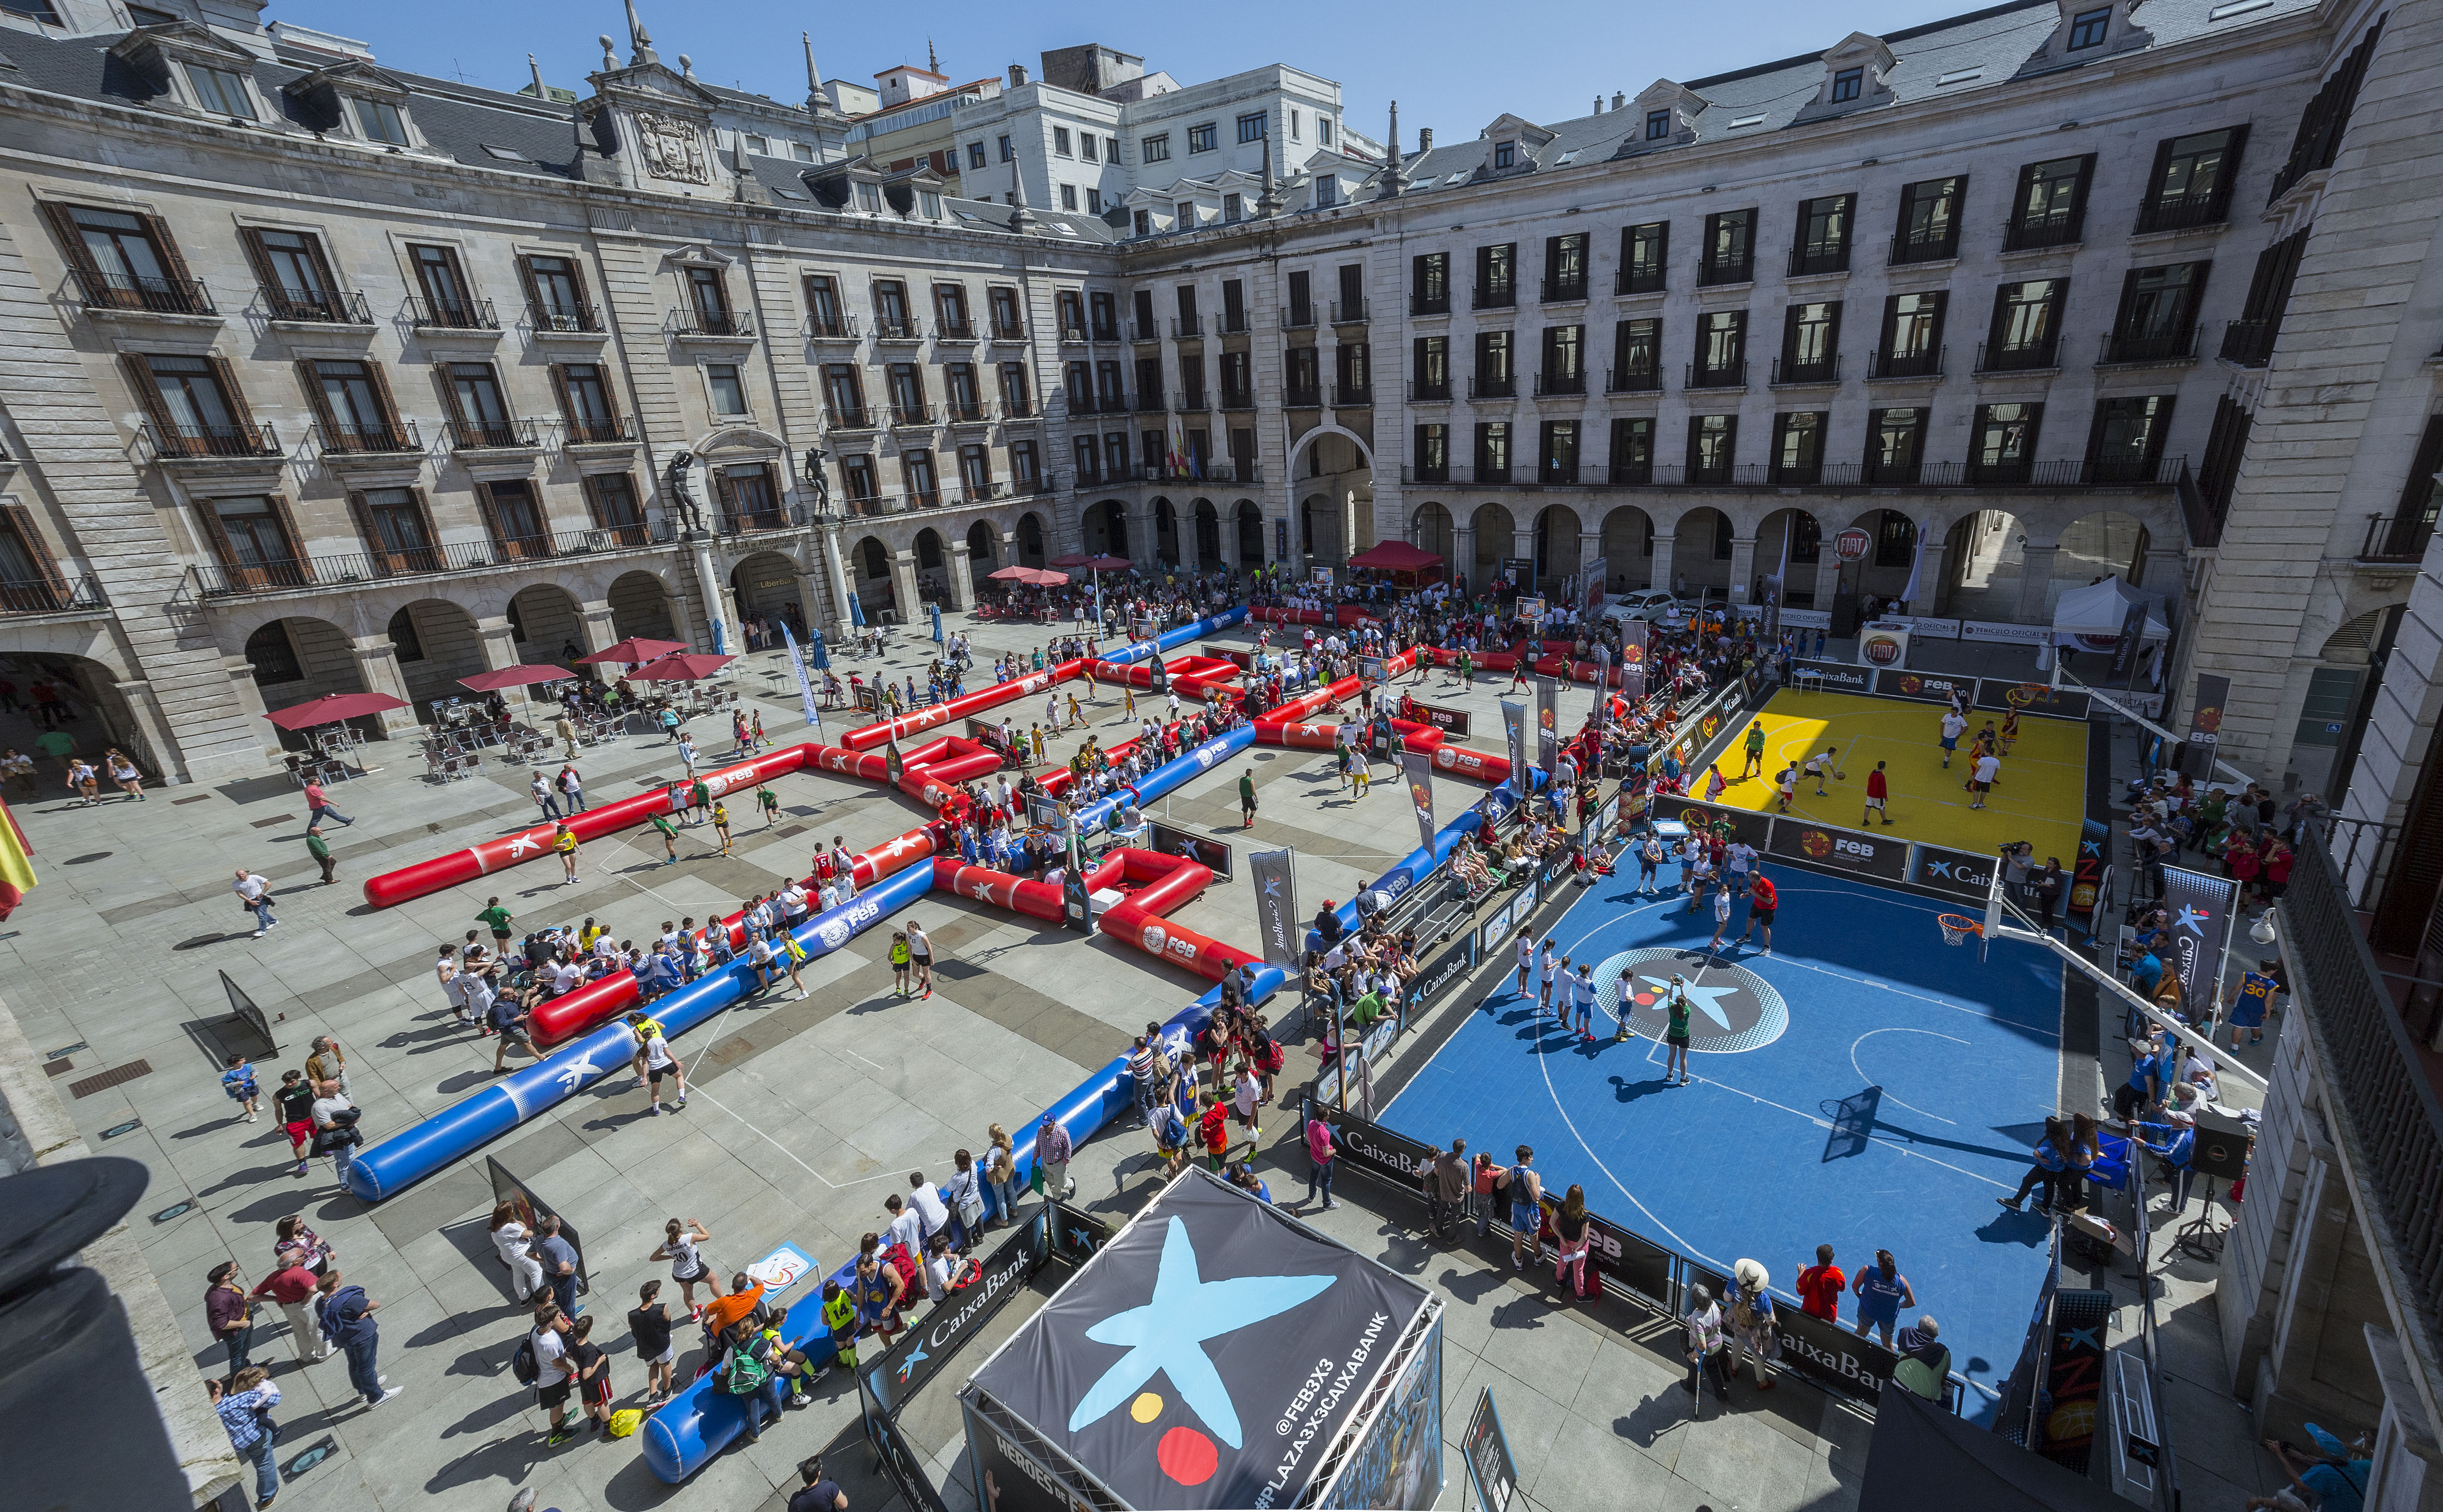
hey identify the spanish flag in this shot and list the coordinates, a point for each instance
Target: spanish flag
(16, 864)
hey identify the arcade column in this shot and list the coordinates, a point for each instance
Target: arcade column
(1743, 570)
(908, 600)
(378, 669)
(961, 570)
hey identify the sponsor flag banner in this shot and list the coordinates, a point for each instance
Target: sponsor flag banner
(1419, 766)
(1548, 725)
(1276, 914)
(2126, 646)
(805, 689)
(1632, 658)
(1514, 724)
(2205, 720)
(2200, 906)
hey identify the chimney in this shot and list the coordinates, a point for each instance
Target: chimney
(1424, 140)
(1619, 101)
(1598, 110)
(1018, 76)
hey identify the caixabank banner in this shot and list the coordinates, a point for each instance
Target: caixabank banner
(1210, 1356)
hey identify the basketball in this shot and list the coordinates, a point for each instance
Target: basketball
(1840, 777)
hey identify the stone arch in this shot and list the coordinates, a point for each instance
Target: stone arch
(1496, 535)
(437, 643)
(544, 622)
(1554, 546)
(1104, 529)
(1891, 545)
(1306, 441)
(1702, 550)
(1984, 566)
(769, 584)
(640, 605)
(2334, 704)
(1627, 548)
(1430, 530)
(932, 557)
(1030, 539)
(2103, 542)
(85, 660)
(1248, 518)
(1165, 533)
(1206, 522)
(983, 551)
(868, 566)
(1802, 535)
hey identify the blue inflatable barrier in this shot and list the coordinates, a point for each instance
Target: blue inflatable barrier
(1170, 774)
(701, 1419)
(464, 1127)
(1173, 639)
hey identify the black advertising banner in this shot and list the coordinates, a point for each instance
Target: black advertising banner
(1277, 915)
(1839, 849)
(1924, 687)
(933, 1339)
(1211, 853)
(1452, 722)
(1073, 1236)
(1839, 676)
(532, 1210)
(1632, 658)
(2200, 906)
(2031, 698)
(1077, 905)
(1419, 767)
(1548, 723)
(898, 1459)
(1018, 1481)
(1395, 1157)
(1399, 1463)
(1158, 674)
(1211, 1356)
(1961, 874)
(1745, 824)
(1489, 1463)
(2074, 1378)
(2205, 718)
(1820, 1348)
(1514, 725)
(2125, 647)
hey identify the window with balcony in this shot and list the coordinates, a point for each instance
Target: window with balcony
(1238, 385)
(1729, 255)
(556, 294)
(1354, 373)
(1106, 313)
(396, 529)
(1823, 244)
(1145, 329)
(844, 395)
(479, 416)
(448, 300)
(1109, 388)
(2125, 441)
(2051, 206)
(296, 277)
(1191, 380)
(1153, 453)
(1078, 380)
(1025, 467)
(1721, 350)
(1643, 252)
(907, 382)
(1301, 300)
(750, 498)
(1351, 305)
(1071, 306)
(1148, 383)
(1565, 267)
(1088, 456)
(2318, 141)
(859, 479)
(1811, 340)
(975, 472)
(1008, 324)
(1911, 343)
(2002, 444)
(824, 315)
(1637, 356)
(30, 581)
(257, 544)
(2158, 318)
(1234, 305)
(125, 261)
(1798, 447)
(1116, 456)
(515, 518)
(1433, 453)
(195, 407)
(962, 394)
(1429, 368)
(1632, 453)
(1016, 394)
(586, 402)
(1429, 283)
(1302, 376)
(727, 390)
(1556, 460)
(1929, 222)
(2027, 325)
(1497, 276)
(1493, 451)
(1895, 445)
(950, 309)
(891, 319)
(1565, 360)
(352, 403)
(916, 471)
(1190, 322)
(2249, 340)
(611, 502)
(1713, 440)
(1496, 374)
(2192, 181)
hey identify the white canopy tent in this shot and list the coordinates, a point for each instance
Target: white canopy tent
(2097, 612)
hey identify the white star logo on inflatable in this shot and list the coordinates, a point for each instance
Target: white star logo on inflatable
(520, 844)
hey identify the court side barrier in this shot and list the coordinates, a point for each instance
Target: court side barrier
(1170, 774)
(416, 1152)
(916, 721)
(1173, 639)
(487, 856)
(1196, 668)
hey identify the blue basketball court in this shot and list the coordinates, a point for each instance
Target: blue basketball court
(1777, 1146)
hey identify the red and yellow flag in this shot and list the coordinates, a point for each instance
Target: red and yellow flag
(16, 863)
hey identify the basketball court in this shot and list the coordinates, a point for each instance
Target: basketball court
(2040, 796)
(1863, 1086)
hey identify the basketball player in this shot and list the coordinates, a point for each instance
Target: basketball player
(1763, 899)
(1549, 967)
(1953, 723)
(1876, 791)
(1722, 918)
(1789, 783)
(1526, 946)
(1818, 766)
(2009, 729)
(1623, 1001)
(1582, 996)
(1988, 767)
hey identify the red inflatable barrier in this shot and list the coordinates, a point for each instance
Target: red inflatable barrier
(1140, 676)
(1305, 735)
(1461, 761)
(1039, 900)
(1134, 924)
(491, 856)
(869, 736)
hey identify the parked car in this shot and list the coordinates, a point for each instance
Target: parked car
(1657, 605)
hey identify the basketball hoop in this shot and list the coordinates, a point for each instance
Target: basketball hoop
(1957, 927)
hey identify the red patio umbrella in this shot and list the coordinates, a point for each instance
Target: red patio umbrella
(681, 668)
(1106, 564)
(1046, 579)
(634, 648)
(519, 676)
(332, 708)
(1012, 574)
(1074, 559)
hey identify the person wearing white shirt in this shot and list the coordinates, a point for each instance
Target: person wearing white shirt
(1548, 966)
(254, 891)
(1988, 766)
(906, 1226)
(926, 1198)
(793, 903)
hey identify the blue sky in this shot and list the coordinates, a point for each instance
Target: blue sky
(1454, 67)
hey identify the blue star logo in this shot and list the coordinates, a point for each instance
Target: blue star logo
(1938, 868)
(1168, 1335)
(909, 1363)
(2194, 920)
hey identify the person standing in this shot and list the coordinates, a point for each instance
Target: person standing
(244, 1406)
(571, 788)
(1321, 1152)
(564, 841)
(1722, 918)
(327, 1063)
(292, 1288)
(335, 1128)
(2048, 887)
(559, 1259)
(1052, 1152)
(1764, 900)
(670, 837)
(649, 1325)
(1675, 1031)
(555, 1372)
(1878, 790)
(499, 921)
(515, 1246)
(1953, 723)
(1524, 1186)
(920, 957)
(293, 1100)
(348, 1323)
(566, 730)
(318, 806)
(1708, 1351)
(539, 788)
(1752, 764)
(253, 892)
(1247, 799)
(1988, 769)
(124, 774)
(1751, 1321)
(229, 1315)
(1583, 994)
(1447, 1187)
(320, 849)
(1548, 966)
(238, 1081)
(1883, 1291)
(819, 1492)
(1820, 1286)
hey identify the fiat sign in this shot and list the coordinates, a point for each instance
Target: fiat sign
(1852, 545)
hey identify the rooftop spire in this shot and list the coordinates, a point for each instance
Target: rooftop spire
(932, 61)
(640, 42)
(1391, 178)
(1268, 201)
(815, 98)
(1022, 219)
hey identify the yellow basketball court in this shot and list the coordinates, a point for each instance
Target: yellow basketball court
(2039, 797)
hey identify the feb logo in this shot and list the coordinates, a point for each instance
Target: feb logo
(1912, 684)
(1816, 844)
(1155, 939)
(1882, 649)
(1444, 758)
(1424, 800)
(834, 933)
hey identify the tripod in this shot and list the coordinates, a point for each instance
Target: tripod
(2199, 1238)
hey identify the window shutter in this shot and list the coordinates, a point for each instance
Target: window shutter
(312, 382)
(424, 512)
(534, 295)
(168, 246)
(139, 378)
(209, 524)
(728, 497)
(363, 516)
(288, 533)
(21, 519)
(251, 238)
(593, 502)
(491, 515)
(62, 219)
(390, 404)
(448, 393)
(560, 392)
(241, 414)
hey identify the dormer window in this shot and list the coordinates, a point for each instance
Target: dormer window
(868, 198)
(759, 146)
(1505, 155)
(929, 204)
(2088, 29)
(381, 121)
(219, 92)
(1658, 125)
(1848, 83)
(1327, 192)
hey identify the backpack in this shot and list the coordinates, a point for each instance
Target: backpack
(897, 1258)
(523, 1363)
(746, 1373)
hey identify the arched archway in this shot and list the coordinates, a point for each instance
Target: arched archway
(437, 644)
(769, 589)
(1105, 529)
(546, 624)
(1495, 542)
(1318, 530)
(297, 659)
(1209, 535)
(640, 605)
(1801, 536)
(1984, 566)
(1030, 539)
(1165, 533)
(1251, 535)
(2341, 689)
(89, 687)
(2102, 543)
(1628, 548)
(932, 567)
(983, 552)
(1891, 550)
(1335, 467)
(1700, 553)
(869, 568)
(1554, 547)
(1429, 529)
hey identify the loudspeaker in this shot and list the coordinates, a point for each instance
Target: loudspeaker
(2221, 1150)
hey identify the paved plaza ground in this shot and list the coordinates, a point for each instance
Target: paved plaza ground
(806, 1111)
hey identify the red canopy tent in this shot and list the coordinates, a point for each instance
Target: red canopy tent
(332, 708)
(1399, 557)
(633, 650)
(519, 676)
(681, 668)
